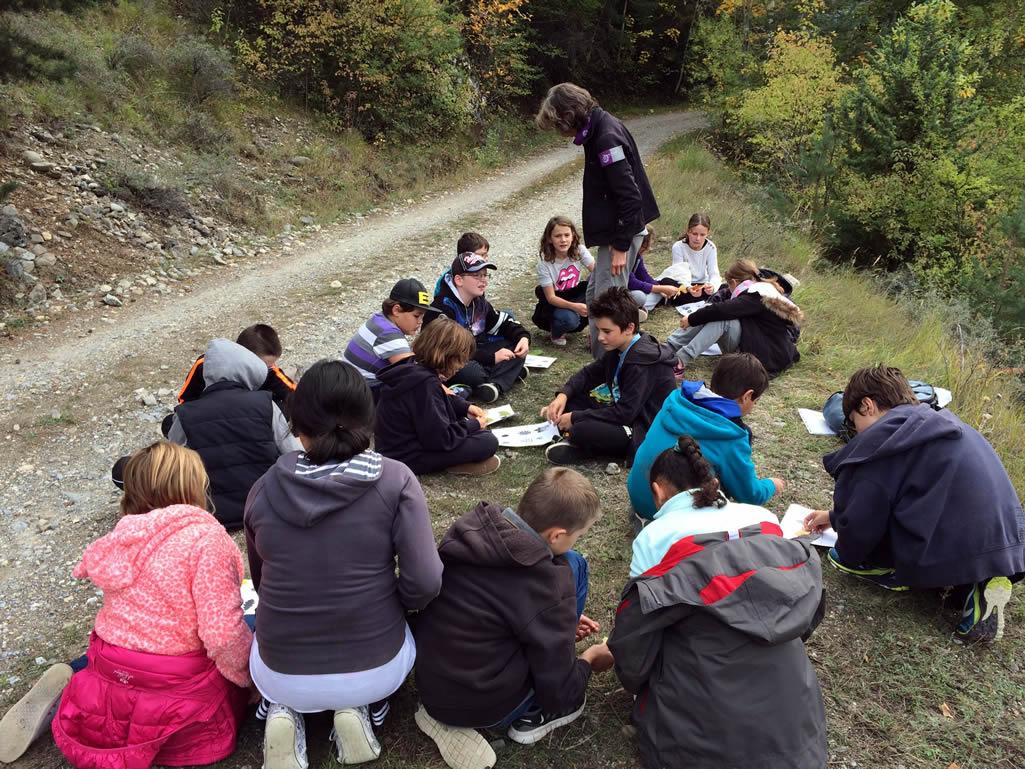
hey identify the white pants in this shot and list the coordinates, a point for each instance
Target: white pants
(646, 301)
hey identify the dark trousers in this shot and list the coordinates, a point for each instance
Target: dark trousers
(476, 448)
(602, 439)
(503, 375)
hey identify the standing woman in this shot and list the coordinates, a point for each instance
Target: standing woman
(324, 527)
(618, 201)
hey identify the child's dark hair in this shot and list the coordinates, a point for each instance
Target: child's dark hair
(260, 339)
(332, 406)
(737, 373)
(559, 497)
(547, 251)
(390, 304)
(685, 467)
(471, 241)
(886, 385)
(617, 305)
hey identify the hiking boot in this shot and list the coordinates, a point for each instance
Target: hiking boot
(476, 469)
(30, 716)
(536, 724)
(877, 575)
(487, 393)
(982, 618)
(284, 739)
(565, 453)
(353, 735)
(461, 748)
(559, 341)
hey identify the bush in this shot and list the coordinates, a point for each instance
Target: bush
(202, 132)
(134, 55)
(198, 70)
(146, 191)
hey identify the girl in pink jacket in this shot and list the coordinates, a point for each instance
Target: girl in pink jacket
(168, 659)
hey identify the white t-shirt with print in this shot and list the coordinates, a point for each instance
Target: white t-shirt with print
(564, 274)
(704, 264)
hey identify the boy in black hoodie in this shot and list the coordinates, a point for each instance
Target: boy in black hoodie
(496, 648)
(502, 343)
(608, 406)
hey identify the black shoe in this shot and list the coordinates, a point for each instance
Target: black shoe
(565, 453)
(535, 725)
(522, 374)
(487, 393)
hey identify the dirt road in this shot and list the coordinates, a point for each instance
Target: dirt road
(68, 407)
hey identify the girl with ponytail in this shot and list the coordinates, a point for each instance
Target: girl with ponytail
(689, 501)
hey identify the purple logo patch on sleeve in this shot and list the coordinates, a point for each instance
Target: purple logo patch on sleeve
(611, 155)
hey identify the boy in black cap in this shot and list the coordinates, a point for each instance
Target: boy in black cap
(382, 339)
(502, 343)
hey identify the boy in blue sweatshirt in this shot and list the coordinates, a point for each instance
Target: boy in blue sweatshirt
(714, 417)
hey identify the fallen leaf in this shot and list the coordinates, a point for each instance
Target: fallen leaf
(948, 713)
(954, 766)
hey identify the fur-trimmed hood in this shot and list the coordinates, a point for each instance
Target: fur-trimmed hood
(776, 302)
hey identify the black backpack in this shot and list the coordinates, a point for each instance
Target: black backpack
(832, 410)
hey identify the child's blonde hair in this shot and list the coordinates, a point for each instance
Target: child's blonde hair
(547, 251)
(164, 474)
(746, 269)
(559, 497)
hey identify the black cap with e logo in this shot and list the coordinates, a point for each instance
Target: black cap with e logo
(412, 292)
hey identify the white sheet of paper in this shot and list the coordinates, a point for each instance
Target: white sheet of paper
(498, 413)
(249, 597)
(526, 435)
(687, 309)
(538, 361)
(793, 524)
(943, 396)
(815, 422)
(713, 350)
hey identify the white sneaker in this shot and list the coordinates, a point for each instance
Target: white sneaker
(461, 748)
(284, 739)
(353, 735)
(30, 716)
(559, 341)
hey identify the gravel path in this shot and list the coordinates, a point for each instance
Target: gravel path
(69, 405)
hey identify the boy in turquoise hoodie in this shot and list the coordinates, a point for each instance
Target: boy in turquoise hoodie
(714, 418)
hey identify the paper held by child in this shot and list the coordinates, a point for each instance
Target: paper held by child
(687, 309)
(793, 526)
(538, 361)
(526, 435)
(815, 422)
(943, 397)
(498, 413)
(249, 597)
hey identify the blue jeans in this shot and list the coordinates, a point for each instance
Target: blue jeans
(578, 565)
(564, 322)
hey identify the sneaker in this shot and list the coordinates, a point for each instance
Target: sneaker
(262, 710)
(565, 453)
(559, 341)
(487, 393)
(522, 374)
(284, 739)
(30, 716)
(535, 725)
(878, 575)
(476, 469)
(642, 315)
(982, 618)
(378, 712)
(461, 748)
(353, 735)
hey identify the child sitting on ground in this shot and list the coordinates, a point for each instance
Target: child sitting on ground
(171, 615)
(689, 501)
(709, 636)
(561, 291)
(607, 406)
(502, 343)
(382, 339)
(758, 318)
(695, 250)
(469, 242)
(418, 423)
(647, 291)
(923, 501)
(496, 647)
(714, 417)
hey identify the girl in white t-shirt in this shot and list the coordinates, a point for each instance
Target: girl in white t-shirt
(561, 307)
(699, 253)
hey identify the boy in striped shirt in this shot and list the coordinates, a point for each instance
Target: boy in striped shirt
(382, 339)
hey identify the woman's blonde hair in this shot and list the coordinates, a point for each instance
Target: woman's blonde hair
(444, 346)
(164, 474)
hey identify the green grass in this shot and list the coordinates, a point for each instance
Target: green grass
(886, 663)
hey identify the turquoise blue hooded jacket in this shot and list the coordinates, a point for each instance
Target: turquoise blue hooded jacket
(695, 410)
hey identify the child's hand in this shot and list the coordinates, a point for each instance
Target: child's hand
(565, 421)
(554, 410)
(779, 483)
(695, 291)
(708, 289)
(667, 291)
(475, 411)
(817, 521)
(684, 322)
(448, 390)
(598, 657)
(581, 309)
(522, 347)
(502, 354)
(586, 627)
(483, 420)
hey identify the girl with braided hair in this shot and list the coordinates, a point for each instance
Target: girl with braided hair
(689, 501)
